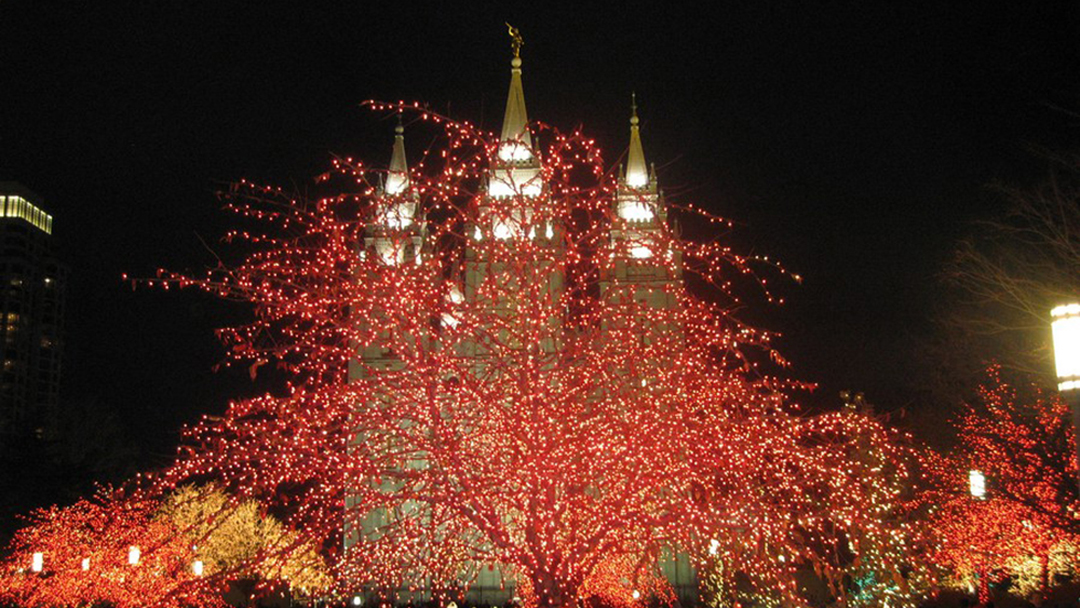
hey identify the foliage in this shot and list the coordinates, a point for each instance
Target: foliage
(86, 550)
(515, 402)
(520, 381)
(237, 539)
(1021, 440)
(854, 530)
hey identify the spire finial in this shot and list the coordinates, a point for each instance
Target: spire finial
(397, 178)
(516, 42)
(637, 172)
(516, 142)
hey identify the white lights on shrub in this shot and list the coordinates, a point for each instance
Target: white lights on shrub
(133, 555)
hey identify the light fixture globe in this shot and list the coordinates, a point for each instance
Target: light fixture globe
(1065, 326)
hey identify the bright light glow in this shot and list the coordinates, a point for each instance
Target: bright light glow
(514, 152)
(396, 182)
(1066, 329)
(455, 295)
(503, 227)
(636, 594)
(549, 232)
(504, 189)
(133, 555)
(977, 484)
(520, 181)
(86, 564)
(357, 600)
(640, 252)
(400, 215)
(636, 210)
(37, 562)
(197, 567)
(501, 231)
(714, 546)
(637, 179)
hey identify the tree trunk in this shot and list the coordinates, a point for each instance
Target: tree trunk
(551, 592)
(1044, 577)
(984, 588)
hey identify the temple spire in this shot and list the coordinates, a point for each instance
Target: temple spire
(637, 172)
(516, 143)
(397, 178)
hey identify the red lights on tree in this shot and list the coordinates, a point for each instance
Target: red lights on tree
(1023, 525)
(490, 367)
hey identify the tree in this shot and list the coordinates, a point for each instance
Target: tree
(87, 551)
(1021, 442)
(503, 368)
(1014, 269)
(110, 548)
(857, 538)
(514, 403)
(233, 538)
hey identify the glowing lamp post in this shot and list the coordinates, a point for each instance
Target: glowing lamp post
(977, 484)
(1065, 326)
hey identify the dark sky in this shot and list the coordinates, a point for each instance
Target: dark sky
(853, 140)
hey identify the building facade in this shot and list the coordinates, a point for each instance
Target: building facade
(31, 313)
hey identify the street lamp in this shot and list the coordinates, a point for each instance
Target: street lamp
(1065, 326)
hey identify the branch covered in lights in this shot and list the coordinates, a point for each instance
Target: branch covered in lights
(490, 366)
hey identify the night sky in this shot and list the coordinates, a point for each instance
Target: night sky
(854, 141)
